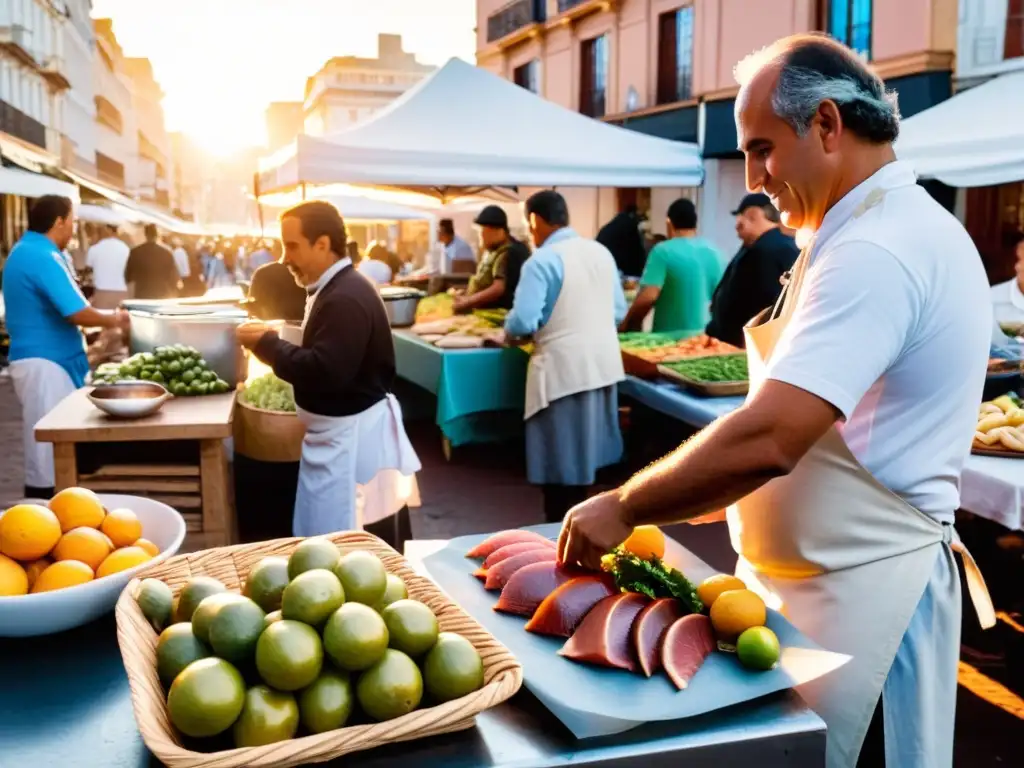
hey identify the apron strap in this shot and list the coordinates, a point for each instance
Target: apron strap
(976, 586)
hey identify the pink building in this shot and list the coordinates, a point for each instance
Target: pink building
(664, 67)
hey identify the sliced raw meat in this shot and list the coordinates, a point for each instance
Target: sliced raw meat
(687, 643)
(606, 635)
(563, 610)
(509, 550)
(530, 585)
(649, 631)
(498, 576)
(500, 539)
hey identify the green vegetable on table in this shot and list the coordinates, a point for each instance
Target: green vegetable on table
(714, 368)
(270, 393)
(178, 368)
(652, 578)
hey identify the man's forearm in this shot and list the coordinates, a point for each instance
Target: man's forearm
(486, 296)
(90, 317)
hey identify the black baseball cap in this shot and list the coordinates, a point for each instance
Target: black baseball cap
(492, 216)
(754, 200)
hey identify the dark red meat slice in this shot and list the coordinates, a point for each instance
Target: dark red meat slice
(498, 576)
(502, 538)
(530, 585)
(509, 550)
(649, 631)
(687, 643)
(563, 610)
(606, 635)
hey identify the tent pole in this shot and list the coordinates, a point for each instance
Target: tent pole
(303, 191)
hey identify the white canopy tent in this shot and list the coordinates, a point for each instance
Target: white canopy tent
(136, 212)
(101, 214)
(465, 130)
(974, 139)
(14, 181)
(358, 207)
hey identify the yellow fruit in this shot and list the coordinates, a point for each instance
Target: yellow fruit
(77, 507)
(122, 526)
(36, 567)
(28, 531)
(713, 586)
(66, 573)
(646, 541)
(737, 610)
(87, 545)
(13, 579)
(122, 560)
(148, 546)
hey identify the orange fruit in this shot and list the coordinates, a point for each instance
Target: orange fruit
(121, 560)
(646, 541)
(122, 526)
(66, 573)
(28, 531)
(735, 611)
(87, 545)
(713, 586)
(36, 567)
(13, 579)
(147, 546)
(77, 507)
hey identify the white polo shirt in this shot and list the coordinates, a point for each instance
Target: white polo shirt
(1008, 302)
(107, 259)
(892, 327)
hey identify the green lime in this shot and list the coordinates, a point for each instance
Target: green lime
(187, 363)
(206, 698)
(268, 716)
(193, 593)
(311, 554)
(289, 655)
(267, 581)
(187, 377)
(202, 617)
(327, 703)
(390, 688)
(272, 617)
(174, 366)
(208, 376)
(235, 629)
(146, 374)
(158, 377)
(156, 601)
(394, 592)
(176, 649)
(311, 597)
(220, 387)
(453, 668)
(362, 576)
(758, 648)
(178, 389)
(355, 637)
(412, 627)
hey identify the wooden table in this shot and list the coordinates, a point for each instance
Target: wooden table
(175, 456)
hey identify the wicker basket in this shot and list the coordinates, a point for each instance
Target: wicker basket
(265, 435)
(502, 673)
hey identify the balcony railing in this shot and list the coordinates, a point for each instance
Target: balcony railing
(18, 124)
(514, 17)
(55, 70)
(17, 41)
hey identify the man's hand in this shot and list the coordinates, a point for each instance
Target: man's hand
(122, 320)
(461, 303)
(249, 334)
(593, 529)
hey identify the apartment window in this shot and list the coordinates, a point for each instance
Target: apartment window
(675, 55)
(1013, 47)
(849, 22)
(594, 76)
(528, 76)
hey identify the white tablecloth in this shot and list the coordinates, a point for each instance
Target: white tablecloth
(993, 488)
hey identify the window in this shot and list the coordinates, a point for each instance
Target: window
(528, 76)
(1013, 46)
(593, 76)
(675, 55)
(849, 22)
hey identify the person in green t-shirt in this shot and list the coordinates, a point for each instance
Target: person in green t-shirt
(680, 277)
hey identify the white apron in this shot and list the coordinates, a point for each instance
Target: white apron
(39, 385)
(860, 571)
(354, 470)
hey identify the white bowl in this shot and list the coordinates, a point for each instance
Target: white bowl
(48, 612)
(129, 399)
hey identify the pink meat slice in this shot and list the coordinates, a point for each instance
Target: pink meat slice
(563, 610)
(501, 539)
(688, 642)
(605, 637)
(529, 586)
(498, 576)
(649, 631)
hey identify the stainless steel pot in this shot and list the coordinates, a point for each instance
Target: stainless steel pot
(400, 305)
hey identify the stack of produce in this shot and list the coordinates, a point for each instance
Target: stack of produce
(71, 541)
(664, 347)
(715, 369)
(182, 370)
(1001, 424)
(269, 393)
(637, 615)
(315, 641)
(437, 307)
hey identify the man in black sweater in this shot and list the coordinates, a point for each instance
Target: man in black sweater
(342, 376)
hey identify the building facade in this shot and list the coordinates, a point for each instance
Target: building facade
(349, 89)
(79, 144)
(154, 145)
(284, 122)
(116, 125)
(665, 68)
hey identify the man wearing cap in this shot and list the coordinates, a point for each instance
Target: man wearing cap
(752, 280)
(496, 278)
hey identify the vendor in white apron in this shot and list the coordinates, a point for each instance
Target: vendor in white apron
(45, 314)
(844, 462)
(358, 467)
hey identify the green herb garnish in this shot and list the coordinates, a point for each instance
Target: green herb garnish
(652, 578)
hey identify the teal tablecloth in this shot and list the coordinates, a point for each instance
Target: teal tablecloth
(675, 401)
(480, 392)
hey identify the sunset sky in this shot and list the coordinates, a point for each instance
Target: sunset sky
(221, 62)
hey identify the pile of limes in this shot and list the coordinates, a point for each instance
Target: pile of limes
(181, 369)
(316, 641)
(738, 616)
(71, 541)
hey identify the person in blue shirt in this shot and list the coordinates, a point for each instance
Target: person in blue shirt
(570, 301)
(458, 255)
(45, 313)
